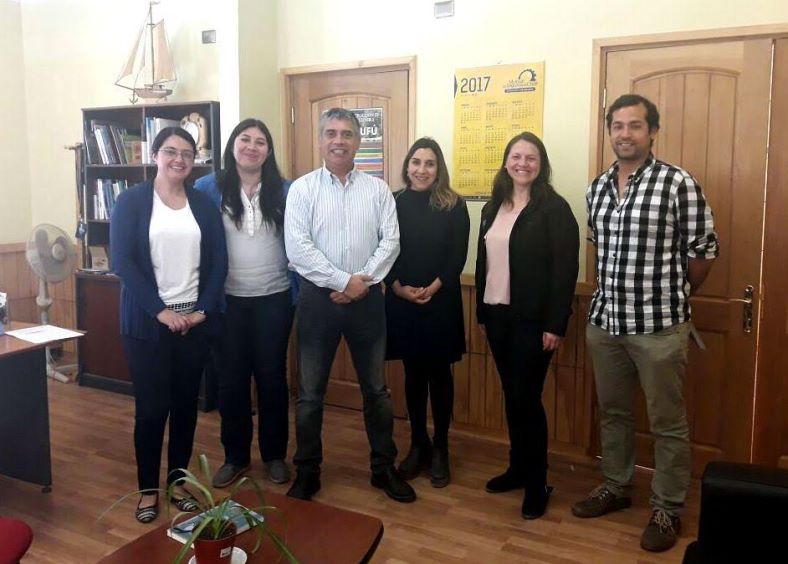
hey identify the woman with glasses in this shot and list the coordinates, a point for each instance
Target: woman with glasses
(526, 269)
(168, 249)
(424, 303)
(250, 193)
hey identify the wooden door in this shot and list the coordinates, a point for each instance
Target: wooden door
(771, 415)
(312, 94)
(383, 88)
(713, 100)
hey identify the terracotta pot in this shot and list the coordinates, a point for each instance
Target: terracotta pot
(219, 551)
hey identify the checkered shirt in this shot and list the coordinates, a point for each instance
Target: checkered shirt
(643, 244)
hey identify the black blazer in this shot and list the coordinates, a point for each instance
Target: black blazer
(544, 251)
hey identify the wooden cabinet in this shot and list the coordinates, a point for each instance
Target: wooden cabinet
(101, 360)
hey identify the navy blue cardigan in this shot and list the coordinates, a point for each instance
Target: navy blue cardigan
(130, 246)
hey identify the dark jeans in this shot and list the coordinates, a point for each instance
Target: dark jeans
(166, 377)
(516, 346)
(425, 377)
(320, 325)
(254, 343)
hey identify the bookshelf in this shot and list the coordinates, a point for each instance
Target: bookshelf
(114, 159)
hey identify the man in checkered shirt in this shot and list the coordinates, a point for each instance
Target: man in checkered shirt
(655, 242)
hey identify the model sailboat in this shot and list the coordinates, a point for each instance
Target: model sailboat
(149, 71)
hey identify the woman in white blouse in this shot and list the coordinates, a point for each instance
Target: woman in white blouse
(251, 194)
(168, 249)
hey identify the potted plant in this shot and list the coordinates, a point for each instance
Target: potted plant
(213, 527)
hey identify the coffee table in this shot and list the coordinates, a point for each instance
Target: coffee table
(315, 533)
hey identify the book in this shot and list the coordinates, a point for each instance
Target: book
(91, 147)
(235, 512)
(102, 146)
(98, 258)
(132, 146)
(117, 142)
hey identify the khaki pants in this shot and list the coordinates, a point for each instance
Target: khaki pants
(658, 362)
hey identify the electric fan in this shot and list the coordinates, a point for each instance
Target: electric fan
(51, 255)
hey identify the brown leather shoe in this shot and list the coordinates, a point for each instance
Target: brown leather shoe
(661, 532)
(599, 502)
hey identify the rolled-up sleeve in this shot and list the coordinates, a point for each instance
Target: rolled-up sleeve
(695, 221)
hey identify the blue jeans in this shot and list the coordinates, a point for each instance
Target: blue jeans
(320, 324)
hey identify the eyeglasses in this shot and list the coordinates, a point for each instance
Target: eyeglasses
(187, 156)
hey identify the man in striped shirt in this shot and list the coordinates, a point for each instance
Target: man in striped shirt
(655, 243)
(342, 237)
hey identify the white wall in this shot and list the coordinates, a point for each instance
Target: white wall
(15, 213)
(259, 64)
(73, 51)
(559, 32)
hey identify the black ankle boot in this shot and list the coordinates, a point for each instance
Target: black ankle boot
(418, 459)
(439, 469)
(535, 501)
(506, 482)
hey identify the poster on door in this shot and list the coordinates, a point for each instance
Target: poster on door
(369, 157)
(492, 105)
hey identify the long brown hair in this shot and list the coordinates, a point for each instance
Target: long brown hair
(442, 197)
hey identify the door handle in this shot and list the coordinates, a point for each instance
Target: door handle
(747, 301)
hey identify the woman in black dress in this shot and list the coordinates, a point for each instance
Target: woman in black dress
(424, 303)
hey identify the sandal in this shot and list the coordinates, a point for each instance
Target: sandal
(148, 513)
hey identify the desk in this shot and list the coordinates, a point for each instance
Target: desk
(315, 533)
(24, 410)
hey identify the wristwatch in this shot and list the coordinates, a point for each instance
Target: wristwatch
(201, 312)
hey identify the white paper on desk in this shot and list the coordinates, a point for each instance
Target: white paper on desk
(43, 334)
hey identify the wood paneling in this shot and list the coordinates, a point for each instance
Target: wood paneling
(478, 398)
(21, 284)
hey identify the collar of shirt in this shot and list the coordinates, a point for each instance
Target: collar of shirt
(252, 219)
(333, 177)
(612, 174)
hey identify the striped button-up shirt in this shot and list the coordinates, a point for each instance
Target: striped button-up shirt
(335, 230)
(643, 243)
